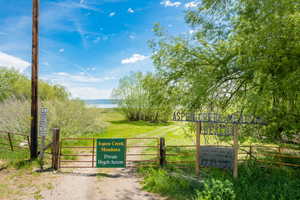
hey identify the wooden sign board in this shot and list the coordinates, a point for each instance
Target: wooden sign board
(218, 157)
(111, 153)
(217, 129)
(216, 118)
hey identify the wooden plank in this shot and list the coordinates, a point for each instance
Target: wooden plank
(78, 147)
(276, 155)
(76, 155)
(140, 146)
(141, 160)
(138, 154)
(279, 163)
(76, 167)
(180, 146)
(78, 161)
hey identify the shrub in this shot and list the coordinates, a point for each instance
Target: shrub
(215, 189)
(72, 116)
(160, 181)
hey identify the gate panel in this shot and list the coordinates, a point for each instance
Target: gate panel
(139, 151)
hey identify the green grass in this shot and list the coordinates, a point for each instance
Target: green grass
(254, 182)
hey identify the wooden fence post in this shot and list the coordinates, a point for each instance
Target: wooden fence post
(197, 160)
(236, 150)
(10, 142)
(55, 148)
(162, 152)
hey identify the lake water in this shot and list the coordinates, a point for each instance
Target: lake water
(102, 103)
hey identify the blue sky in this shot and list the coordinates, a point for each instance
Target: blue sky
(87, 45)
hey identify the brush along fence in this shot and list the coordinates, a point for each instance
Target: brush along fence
(14, 141)
(221, 156)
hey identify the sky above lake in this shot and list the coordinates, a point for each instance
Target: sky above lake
(87, 45)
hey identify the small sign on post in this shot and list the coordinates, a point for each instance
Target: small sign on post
(43, 122)
(111, 153)
(43, 132)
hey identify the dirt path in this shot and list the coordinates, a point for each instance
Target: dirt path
(101, 184)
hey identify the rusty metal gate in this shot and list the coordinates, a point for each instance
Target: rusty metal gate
(81, 152)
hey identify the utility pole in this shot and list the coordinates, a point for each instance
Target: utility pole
(34, 80)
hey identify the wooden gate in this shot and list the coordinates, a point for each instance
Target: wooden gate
(81, 152)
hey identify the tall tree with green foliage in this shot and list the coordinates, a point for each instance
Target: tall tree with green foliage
(243, 56)
(144, 97)
(14, 84)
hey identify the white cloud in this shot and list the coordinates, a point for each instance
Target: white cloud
(97, 40)
(78, 78)
(13, 62)
(61, 50)
(130, 10)
(132, 37)
(134, 58)
(112, 14)
(45, 63)
(74, 5)
(81, 85)
(192, 4)
(169, 3)
(192, 31)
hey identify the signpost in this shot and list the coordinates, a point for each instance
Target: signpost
(111, 153)
(216, 124)
(43, 132)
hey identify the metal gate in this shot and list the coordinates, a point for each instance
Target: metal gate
(81, 152)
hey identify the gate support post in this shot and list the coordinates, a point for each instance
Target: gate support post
(197, 159)
(162, 152)
(236, 150)
(55, 148)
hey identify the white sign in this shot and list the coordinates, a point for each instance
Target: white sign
(43, 122)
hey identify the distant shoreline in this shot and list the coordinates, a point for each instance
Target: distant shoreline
(102, 103)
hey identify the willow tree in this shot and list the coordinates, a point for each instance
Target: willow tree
(244, 55)
(144, 97)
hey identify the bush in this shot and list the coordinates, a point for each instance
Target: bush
(160, 181)
(254, 182)
(72, 116)
(15, 115)
(215, 189)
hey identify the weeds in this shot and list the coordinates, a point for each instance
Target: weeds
(254, 182)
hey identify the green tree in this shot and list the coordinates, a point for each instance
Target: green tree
(14, 84)
(144, 97)
(244, 56)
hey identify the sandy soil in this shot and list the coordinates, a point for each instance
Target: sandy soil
(96, 184)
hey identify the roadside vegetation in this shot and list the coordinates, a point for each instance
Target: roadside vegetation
(255, 182)
(73, 117)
